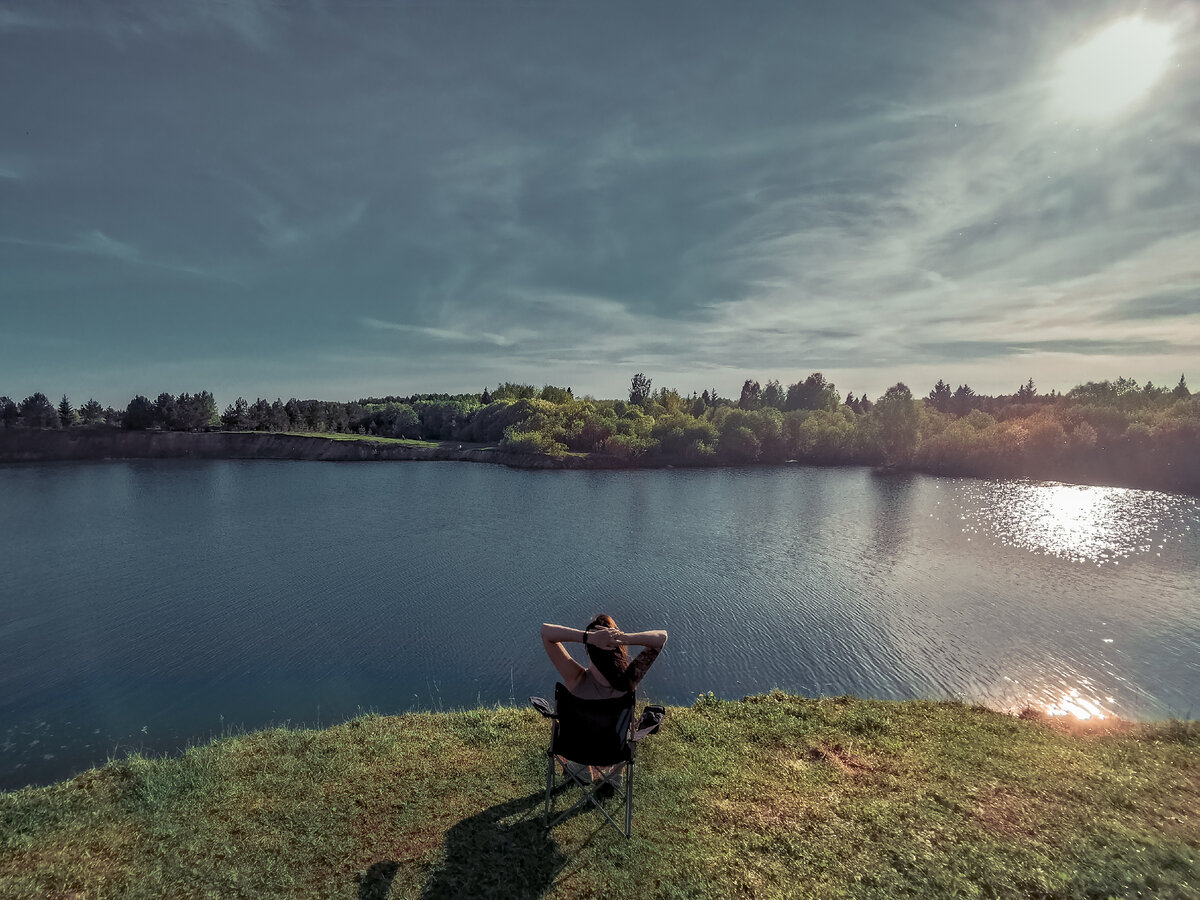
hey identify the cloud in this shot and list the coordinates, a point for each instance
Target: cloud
(517, 190)
(1167, 305)
(255, 22)
(99, 243)
(970, 350)
(279, 231)
(19, 20)
(96, 243)
(441, 334)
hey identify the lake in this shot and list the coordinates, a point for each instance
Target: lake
(148, 605)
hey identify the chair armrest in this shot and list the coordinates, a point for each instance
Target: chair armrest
(543, 706)
(649, 723)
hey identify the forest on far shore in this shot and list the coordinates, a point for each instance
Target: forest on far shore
(1114, 431)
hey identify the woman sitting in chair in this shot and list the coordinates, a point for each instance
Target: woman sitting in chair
(611, 672)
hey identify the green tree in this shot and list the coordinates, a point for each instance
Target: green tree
(531, 442)
(139, 414)
(66, 413)
(820, 436)
(1026, 392)
(511, 391)
(92, 413)
(195, 412)
(964, 400)
(773, 395)
(941, 395)
(751, 398)
(8, 413)
(237, 415)
(556, 394)
(639, 389)
(738, 445)
(896, 416)
(259, 413)
(391, 420)
(279, 417)
(814, 392)
(1181, 392)
(38, 412)
(166, 411)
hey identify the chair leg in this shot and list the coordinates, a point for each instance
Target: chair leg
(589, 796)
(629, 799)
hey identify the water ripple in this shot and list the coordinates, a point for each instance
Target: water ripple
(152, 604)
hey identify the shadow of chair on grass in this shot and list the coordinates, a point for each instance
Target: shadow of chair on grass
(504, 851)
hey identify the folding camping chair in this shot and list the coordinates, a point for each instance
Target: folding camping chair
(594, 733)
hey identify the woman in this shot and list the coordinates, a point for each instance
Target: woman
(610, 674)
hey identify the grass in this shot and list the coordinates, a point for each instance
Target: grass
(771, 796)
(338, 436)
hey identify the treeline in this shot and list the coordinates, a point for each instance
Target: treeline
(1111, 430)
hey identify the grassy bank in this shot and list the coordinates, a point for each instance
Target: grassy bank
(772, 796)
(337, 436)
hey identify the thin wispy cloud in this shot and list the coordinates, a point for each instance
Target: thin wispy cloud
(253, 21)
(280, 230)
(441, 334)
(96, 243)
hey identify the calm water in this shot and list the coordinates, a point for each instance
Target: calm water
(146, 605)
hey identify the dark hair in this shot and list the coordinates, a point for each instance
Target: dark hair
(613, 664)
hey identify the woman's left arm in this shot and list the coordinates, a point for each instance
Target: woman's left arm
(645, 639)
(653, 642)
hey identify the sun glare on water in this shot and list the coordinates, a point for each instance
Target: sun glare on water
(1113, 69)
(1073, 703)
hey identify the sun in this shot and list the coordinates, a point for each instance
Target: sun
(1113, 69)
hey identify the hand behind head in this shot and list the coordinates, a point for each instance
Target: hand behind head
(606, 638)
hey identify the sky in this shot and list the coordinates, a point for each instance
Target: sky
(348, 199)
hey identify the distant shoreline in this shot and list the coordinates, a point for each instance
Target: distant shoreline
(30, 445)
(81, 445)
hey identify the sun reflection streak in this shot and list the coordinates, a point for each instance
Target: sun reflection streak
(1073, 704)
(1077, 522)
(1070, 696)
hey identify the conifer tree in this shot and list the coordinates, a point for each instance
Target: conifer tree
(939, 398)
(66, 412)
(91, 412)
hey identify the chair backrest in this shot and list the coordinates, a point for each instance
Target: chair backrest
(592, 732)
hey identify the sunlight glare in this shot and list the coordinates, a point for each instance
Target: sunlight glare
(1087, 524)
(1072, 703)
(1113, 69)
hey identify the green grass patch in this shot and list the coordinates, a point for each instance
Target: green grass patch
(771, 796)
(338, 436)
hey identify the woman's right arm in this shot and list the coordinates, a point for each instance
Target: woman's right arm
(553, 637)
